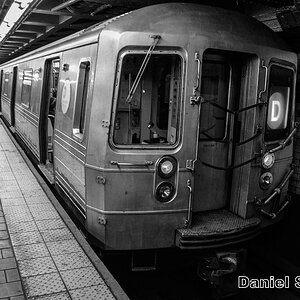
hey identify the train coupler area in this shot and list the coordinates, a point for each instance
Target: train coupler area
(221, 270)
(143, 260)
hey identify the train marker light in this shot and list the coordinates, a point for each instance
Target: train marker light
(266, 179)
(165, 191)
(167, 167)
(268, 160)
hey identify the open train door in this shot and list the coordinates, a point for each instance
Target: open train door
(226, 126)
(1, 83)
(13, 98)
(47, 116)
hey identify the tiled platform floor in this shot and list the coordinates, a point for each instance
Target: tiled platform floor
(40, 253)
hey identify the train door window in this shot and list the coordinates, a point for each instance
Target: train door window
(81, 96)
(26, 86)
(214, 89)
(6, 90)
(52, 88)
(280, 93)
(150, 113)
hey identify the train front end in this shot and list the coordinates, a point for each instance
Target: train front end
(199, 131)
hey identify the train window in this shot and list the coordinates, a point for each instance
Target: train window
(26, 86)
(214, 89)
(81, 96)
(279, 102)
(6, 90)
(148, 114)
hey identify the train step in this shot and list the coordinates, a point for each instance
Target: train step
(216, 229)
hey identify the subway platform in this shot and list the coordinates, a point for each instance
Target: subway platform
(42, 253)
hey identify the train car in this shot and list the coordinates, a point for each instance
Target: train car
(167, 127)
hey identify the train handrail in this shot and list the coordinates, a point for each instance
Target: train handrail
(146, 163)
(265, 82)
(277, 191)
(189, 215)
(280, 210)
(196, 97)
(286, 141)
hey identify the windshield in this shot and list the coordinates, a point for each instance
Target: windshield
(151, 116)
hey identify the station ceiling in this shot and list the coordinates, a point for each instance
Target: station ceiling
(45, 21)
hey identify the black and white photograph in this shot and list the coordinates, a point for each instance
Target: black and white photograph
(149, 150)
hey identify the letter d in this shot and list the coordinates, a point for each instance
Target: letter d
(276, 111)
(243, 282)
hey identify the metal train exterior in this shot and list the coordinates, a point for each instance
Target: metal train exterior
(173, 125)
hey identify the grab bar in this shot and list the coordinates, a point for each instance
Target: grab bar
(146, 163)
(286, 141)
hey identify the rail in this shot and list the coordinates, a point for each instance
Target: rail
(146, 163)
(277, 191)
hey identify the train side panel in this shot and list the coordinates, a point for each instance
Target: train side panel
(7, 79)
(72, 121)
(27, 104)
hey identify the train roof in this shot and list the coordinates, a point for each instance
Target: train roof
(173, 18)
(196, 19)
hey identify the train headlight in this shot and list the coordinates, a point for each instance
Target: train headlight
(167, 167)
(268, 160)
(266, 179)
(165, 191)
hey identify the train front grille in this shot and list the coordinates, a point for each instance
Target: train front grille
(216, 229)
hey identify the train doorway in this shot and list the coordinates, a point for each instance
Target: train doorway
(224, 88)
(1, 84)
(47, 116)
(13, 98)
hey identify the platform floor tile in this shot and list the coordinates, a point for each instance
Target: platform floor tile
(81, 278)
(36, 266)
(63, 247)
(56, 235)
(28, 226)
(31, 251)
(6, 202)
(71, 261)
(56, 296)
(43, 285)
(99, 292)
(50, 224)
(51, 263)
(25, 238)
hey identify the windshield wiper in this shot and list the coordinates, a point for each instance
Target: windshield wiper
(139, 75)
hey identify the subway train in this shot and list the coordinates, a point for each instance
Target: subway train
(171, 126)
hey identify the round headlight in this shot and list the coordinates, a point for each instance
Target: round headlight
(266, 179)
(268, 160)
(165, 192)
(167, 167)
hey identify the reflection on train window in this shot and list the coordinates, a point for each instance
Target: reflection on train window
(54, 77)
(148, 114)
(6, 90)
(26, 86)
(279, 102)
(214, 90)
(81, 96)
